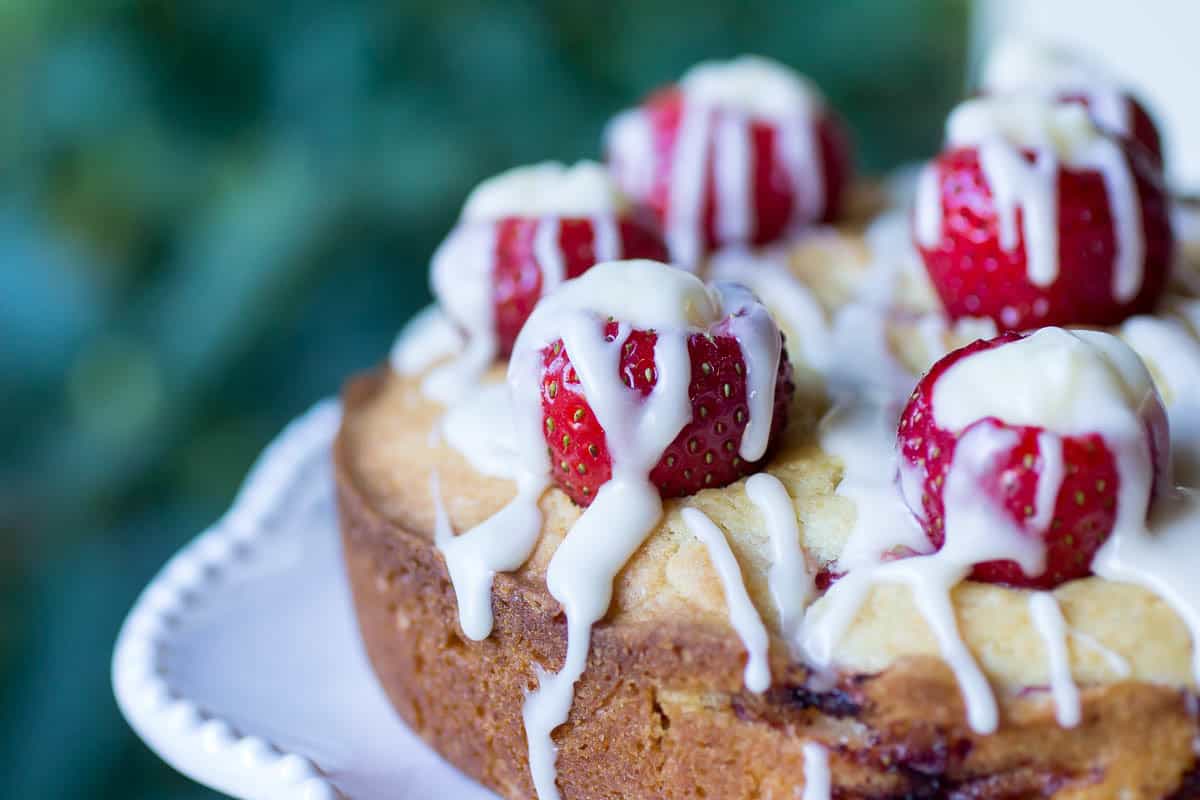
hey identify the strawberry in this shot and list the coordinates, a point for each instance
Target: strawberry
(517, 276)
(705, 453)
(775, 209)
(1085, 506)
(976, 276)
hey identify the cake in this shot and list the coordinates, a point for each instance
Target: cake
(830, 506)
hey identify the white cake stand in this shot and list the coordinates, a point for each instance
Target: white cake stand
(241, 665)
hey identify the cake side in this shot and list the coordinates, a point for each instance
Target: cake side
(661, 710)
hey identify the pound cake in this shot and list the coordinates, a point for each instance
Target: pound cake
(697, 482)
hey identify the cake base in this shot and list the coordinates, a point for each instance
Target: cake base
(661, 711)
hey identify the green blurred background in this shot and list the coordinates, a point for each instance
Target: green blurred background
(212, 212)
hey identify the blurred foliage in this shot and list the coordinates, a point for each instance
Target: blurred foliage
(212, 212)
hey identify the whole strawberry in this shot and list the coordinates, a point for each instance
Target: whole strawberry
(524, 232)
(1058, 491)
(740, 152)
(704, 455)
(1029, 234)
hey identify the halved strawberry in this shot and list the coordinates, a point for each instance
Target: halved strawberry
(705, 453)
(775, 187)
(518, 277)
(1083, 469)
(977, 276)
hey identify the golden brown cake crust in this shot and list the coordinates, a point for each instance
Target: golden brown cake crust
(661, 711)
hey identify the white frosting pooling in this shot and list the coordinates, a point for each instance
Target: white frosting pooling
(479, 426)
(743, 616)
(545, 189)
(1068, 382)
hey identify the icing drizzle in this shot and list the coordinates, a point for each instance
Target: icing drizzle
(742, 615)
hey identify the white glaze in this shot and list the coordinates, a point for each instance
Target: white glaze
(753, 85)
(606, 239)
(793, 303)
(1023, 66)
(501, 543)
(927, 208)
(1049, 623)
(461, 275)
(685, 203)
(732, 171)
(758, 337)
(862, 433)
(1173, 352)
(549, 254)
(545, 189)
(743, 616)
(1051, 472)
(816, 772)
(799, 149)
(1119, 667)
(629, 143)
(788, 578)
(427, 338)
(1068, 382)
(1161, 557)
(480, 427)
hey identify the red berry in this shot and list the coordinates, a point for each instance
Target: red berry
(976, 276)
(517, 277)
(705, 453)
(773, 201)
(1085, 506)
